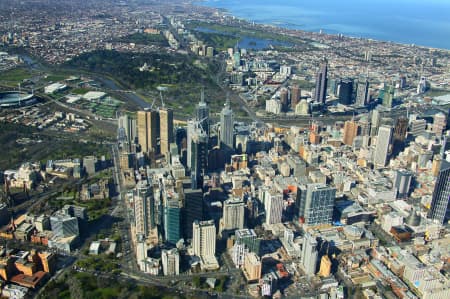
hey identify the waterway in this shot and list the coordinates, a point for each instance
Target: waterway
(425, 23)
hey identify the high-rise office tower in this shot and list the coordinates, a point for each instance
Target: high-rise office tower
(388, 96)
(273, 205)
(402, 182)
(233, 215)
(172, 220)
(439, 123)
(310, 254)
(315, 203)
(190, 131)
(144, 209)
(440, 203)
(350, 132)
(226, 126)
(295, 96)
(127, 131)
(363, 127)
(284, 98)
(382, 148)
(375, 122)
(362, 93)
(170, 261)
(346, 91)
(202, 113)
(400, 129)
(197, 153)
(204, 238)
(166, 130)
(248, 238)
(320, 94)
(192, 210)
(148, 130)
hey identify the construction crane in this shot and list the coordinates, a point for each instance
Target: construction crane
(198, 124)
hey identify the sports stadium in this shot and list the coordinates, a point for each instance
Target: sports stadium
(10, 99)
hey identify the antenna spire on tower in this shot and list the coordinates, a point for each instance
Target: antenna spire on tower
(202, 97)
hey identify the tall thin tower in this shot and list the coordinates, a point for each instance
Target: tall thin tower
(321, 84)
(202, 113)
(226, 125)
(166, 129)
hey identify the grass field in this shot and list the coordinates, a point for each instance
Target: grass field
(15, 76)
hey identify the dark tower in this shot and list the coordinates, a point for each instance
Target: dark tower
(346, 91)
(321, 84)
(192, 210)
(202, 113)
(401, 126)
(439, 209)
(199, 158)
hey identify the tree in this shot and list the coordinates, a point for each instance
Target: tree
(76, 290)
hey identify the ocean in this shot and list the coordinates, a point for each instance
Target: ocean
(424, 23)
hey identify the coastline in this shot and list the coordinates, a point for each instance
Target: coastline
(285, 25)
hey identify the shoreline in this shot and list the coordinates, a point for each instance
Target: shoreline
(228, 13)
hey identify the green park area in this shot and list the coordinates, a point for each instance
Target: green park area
(183, 76)
(51, 146)
(15, 76)
(145, 39)
(219, 41)
(79, 285)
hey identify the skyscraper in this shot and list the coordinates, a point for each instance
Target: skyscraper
(144, 209)
(202, 113)
(192, 210)
(350, 132)
(197, 153)
(172, 220)
(346, 91)
(383, 146)
(315, 203)
(273, 205)
(402, 182)
(247, 237)
(309, 254)
(226, 126)
(295, 96)
(170, 261)
(284, 99)
(375, 122)
(388, 96)
(166, 129)
(440, 203)
(362, 93)
(127, 131)
(233, 215)
(148, 130)
(439, 123)
(204, 238)
(321, 84)
(401, 126)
